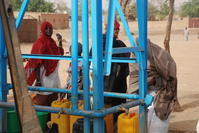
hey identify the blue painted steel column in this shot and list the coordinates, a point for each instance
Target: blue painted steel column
(142, 9)
(109, 37)
(74, 98)
(85, 42)
(21, 13)
(97, 56)
(3, 79)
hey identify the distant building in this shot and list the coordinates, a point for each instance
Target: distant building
(193, 22)
(58, 20)
(29, 30)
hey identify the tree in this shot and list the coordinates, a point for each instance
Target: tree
(41, 6)
(35, 6)
(16, 4)
(163, 11)
(124, 4)
(131, 11)
(169, 24)
(190, 9)
(152, 11)
(61, 7)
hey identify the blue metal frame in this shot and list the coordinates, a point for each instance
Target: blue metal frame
(85, 42)
(21, 13)
(142, 8)
(109, 37)
(98, 111)
(97, 56)
(3, 79)
(74, 98)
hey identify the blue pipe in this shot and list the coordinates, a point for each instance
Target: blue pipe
(97, 56)
(58, 90)
(3, 79)
(97, 113)
(130, 37)
(74, 41)
(142, 8)
(85, 42)
(55, 57)
(109, 37)
(21, 13)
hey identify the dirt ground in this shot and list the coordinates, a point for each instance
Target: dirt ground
(186, 56)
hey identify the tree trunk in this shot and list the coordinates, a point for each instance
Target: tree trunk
(124, 4)
(169, 24)
(177, 106)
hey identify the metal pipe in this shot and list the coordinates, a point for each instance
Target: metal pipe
(21, 13)
(142, 8)
(56, 57)
(124, 22)
(3, 79)
(58, 90)
(74, 41)
(96, 113)
(97, 54)
(109, 37)
(85, 43)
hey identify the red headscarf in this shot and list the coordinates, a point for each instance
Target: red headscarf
(116, 27)
(43, 45)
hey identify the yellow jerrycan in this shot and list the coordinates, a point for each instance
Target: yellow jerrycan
(61, 120)
(128, 123)
(73, 118)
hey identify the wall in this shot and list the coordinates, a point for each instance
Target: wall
(193, 23)
(28, 31)
(59, 21)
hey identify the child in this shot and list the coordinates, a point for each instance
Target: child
(69, 72)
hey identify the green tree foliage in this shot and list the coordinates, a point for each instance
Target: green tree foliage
(16, 4)
(152, 11)
(190, 8)
(163, 11)
(131, 11)
(35, 6)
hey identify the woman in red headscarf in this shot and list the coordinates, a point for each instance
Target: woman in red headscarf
(43, 72)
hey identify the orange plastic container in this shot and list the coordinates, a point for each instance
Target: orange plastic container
(63, 121)
(128, 123)
(109, 123)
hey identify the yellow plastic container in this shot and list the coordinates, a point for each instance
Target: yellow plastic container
(73, 118)
(128, 123)
(61, 120)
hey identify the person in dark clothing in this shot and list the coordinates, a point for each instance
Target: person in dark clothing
(117, 80)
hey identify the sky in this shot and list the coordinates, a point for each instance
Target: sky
(68, 2)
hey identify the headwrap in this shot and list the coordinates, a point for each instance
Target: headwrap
(116, 25)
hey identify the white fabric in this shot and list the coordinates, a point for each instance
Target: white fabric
(186, 34)
(197, 127)
(155, 125)
(51, 81)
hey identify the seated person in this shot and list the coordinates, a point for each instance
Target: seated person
(69, 73)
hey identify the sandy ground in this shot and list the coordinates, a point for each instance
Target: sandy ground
(186, 56)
